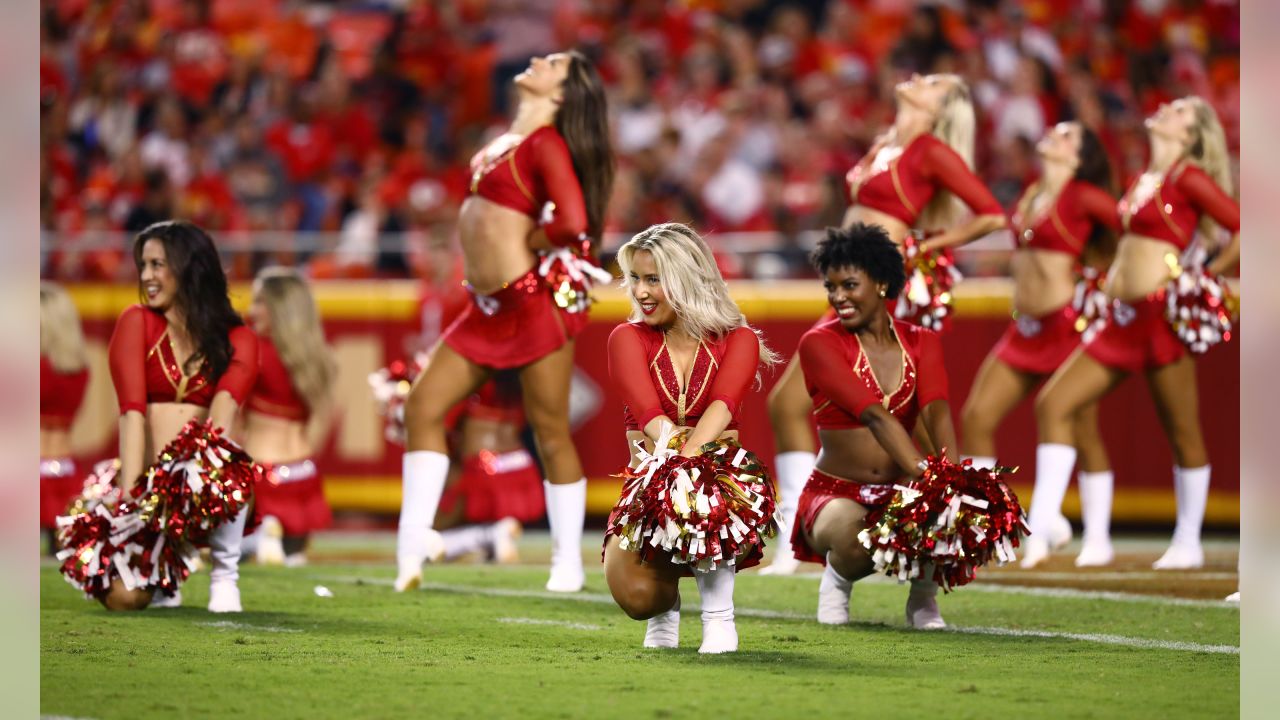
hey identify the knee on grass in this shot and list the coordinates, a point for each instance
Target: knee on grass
(641, 601)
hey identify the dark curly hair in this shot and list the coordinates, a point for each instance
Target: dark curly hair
(865, 247)
(202, 288)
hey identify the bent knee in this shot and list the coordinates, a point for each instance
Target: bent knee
(641, 601)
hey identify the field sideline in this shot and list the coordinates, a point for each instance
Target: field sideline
(488, 641)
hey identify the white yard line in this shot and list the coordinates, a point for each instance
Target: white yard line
(1104, 639)
(543, 621)
(233, 625)
(1073, 594)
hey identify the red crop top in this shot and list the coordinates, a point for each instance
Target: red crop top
(908, 182)
(60, 395)
(1174, 209)
(525, 175)
(843, 386)
(640, 363)
(144, 369)
(1067, 223)
(273, 393)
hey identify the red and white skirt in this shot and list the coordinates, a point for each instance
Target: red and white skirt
(497, 485)
(1136, 336)
(294, 494)
(821, 489)
(59, 485)
(1039, 345)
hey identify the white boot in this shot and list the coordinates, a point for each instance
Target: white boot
(424, 473)
(833, 596)
(566, 513)
(504, 535)
(270, 550)
(663, 631)
(164, 600)
(1096, 490)
(922, 603)
(224, 552)
(1191, 487)
(719, 634)
(1054, 462)
(793, 470)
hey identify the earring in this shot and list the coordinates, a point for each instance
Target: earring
(882, 293)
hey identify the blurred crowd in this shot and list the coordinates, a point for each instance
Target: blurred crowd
(262, 117)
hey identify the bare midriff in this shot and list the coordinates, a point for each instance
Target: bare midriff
(898, 230)
(55, 443)
(855, 454)
(495, 244)
(481, 434)
(1142, 266)
(165, 421)
(1043, 280)
(634, 436)
(275, 440)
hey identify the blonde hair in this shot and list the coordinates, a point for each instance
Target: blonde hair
(955, 128)
(61, 338)
(690, 280)
(1208, 150)
(296, 332)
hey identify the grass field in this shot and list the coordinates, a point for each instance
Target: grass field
(485, 641)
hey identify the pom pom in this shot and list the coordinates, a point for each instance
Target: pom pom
(956, 517)
(572, 273)
(147, 541)
(927, 298)
(1199, 308)
(1090, 302)
(391, 387)
(705, 511)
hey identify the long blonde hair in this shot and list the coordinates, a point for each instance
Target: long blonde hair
(296, 332)
(61, 338)
(1208, 150)
(690, 280)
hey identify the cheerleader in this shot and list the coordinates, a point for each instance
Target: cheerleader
(685, 359)
(870, 377)
(1062, 219)
(912, 179)
(183, 354)
(287, 414)
(64, 375)
(1186, 186)
(543, 185)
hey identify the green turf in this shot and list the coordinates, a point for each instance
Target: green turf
(487, 642)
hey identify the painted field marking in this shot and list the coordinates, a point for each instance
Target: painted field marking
(543, 621)
(233, 625)
(599, 598)
(1113, 575)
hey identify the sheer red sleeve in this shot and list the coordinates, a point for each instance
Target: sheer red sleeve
(1098, 205)
(629, 370)
(737, 368)
(827, 367)
(931, 374)
(127, 355)
(554, 168)
(944, 167)
(1210, 199)
(243, 371)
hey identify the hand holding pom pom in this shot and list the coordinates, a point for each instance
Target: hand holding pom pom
(931, 276)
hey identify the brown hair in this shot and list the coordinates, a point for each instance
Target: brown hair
(583, 122)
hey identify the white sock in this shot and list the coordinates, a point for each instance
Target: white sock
(566, 513)
(463, 540)
(224, 549)
(924, 586)
(793, 470)
(423, 482)
(1054, 462)
(1096, 490)
(831, 579)
(981, 461)
(1191, 486)
(716, 587)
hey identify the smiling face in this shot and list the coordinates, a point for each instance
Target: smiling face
(155, 275)
(545, 76)
(854, 296)
(1061, 144)
(925, 91)
(1174, 121)
(646, 290)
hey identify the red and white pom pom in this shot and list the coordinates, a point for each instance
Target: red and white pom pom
(705, 511)
(1197, 308)
(391, 387)
(927, 298)
(572, 273)
(1090, 302)
(148, 540)
(956, 518)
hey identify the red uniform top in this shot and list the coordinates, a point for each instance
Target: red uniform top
(909, 182)
(144, 369)
(1066, 225)
(1174, 209)
(274, 393)
(60, 395)
(843, 386)
(640, 363)
(528, 174)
